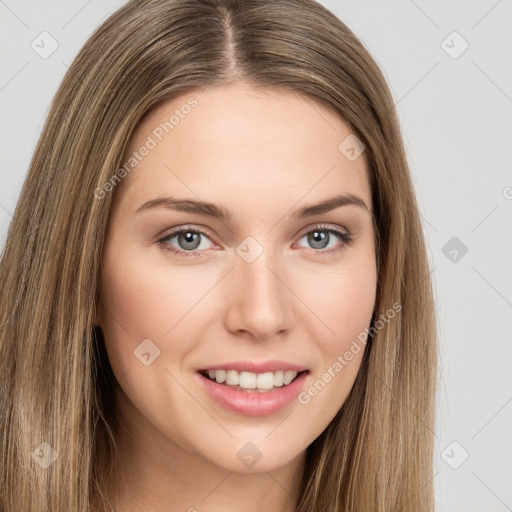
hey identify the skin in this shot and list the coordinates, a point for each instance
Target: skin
(262, 154)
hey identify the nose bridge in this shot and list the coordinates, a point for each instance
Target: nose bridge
(261, 302)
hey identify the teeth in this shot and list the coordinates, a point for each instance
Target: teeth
(250, 380)
(247, 380)
(232, 378)
(288, 377)
(219, 375)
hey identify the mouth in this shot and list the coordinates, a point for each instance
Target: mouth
(250, 393)
(251, 382)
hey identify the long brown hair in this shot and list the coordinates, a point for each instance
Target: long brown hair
(56, 382)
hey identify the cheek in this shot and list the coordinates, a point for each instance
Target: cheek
(355, 307)
(145, 300)
(345, 307)
(343, 299)
(143, 297)
(133, 307)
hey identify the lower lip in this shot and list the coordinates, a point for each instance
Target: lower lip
(253, 403)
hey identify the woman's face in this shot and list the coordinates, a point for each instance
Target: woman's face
(261, 289)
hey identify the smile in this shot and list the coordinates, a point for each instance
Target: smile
(252, 393)
(249, 381)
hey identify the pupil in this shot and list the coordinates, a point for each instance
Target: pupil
(318, 239)
(187, 240)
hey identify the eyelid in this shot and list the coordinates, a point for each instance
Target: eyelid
(322, 226)
(172, 232)
(180, 229)
(342, 233)
(345, 236)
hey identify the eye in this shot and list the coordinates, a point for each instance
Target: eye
(321, 237)
(189, 240)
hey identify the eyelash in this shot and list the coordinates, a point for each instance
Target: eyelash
(345, 237)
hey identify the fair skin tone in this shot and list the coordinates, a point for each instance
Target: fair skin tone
(262, 155)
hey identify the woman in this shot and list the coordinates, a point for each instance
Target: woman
(215, 290)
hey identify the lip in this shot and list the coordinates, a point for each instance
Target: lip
(273, 365)
(252, 403)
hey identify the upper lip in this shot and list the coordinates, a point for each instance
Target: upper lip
(256, 367)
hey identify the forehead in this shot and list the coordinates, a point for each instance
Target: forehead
(257, 145)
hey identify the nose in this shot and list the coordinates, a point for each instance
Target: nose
(258, 300)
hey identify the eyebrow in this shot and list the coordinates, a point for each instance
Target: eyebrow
(219, 212)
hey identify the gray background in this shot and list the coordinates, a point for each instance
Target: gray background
(457, 125)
